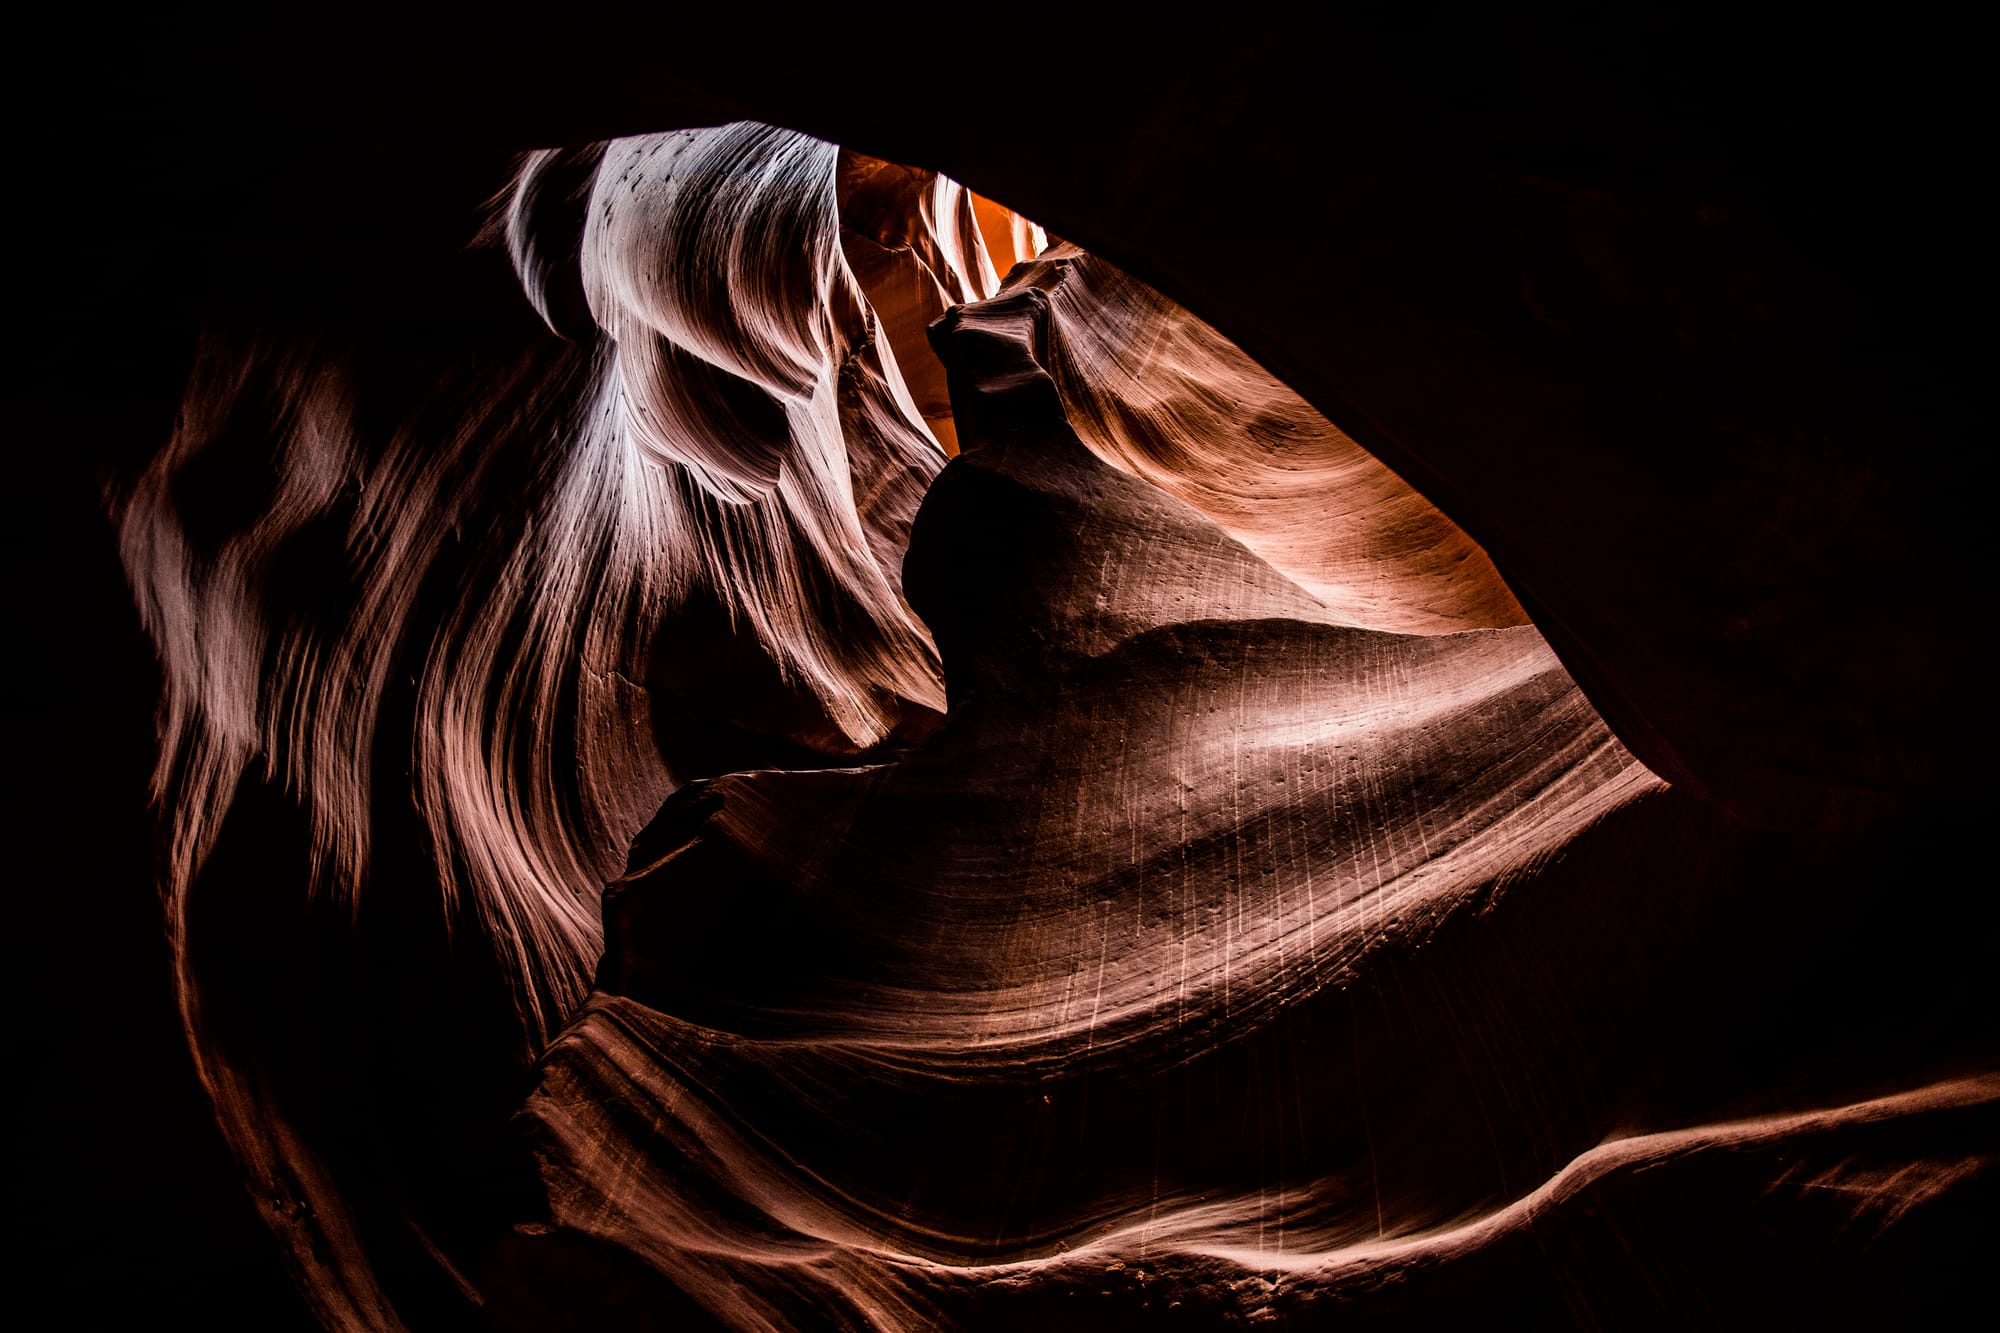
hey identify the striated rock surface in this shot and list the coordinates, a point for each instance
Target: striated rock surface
(466, 635)
(1156, 392)
(1145, 871)
(1082, 1006)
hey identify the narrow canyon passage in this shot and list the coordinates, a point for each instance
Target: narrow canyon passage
(742, 736)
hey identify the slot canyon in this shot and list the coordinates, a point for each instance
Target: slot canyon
(871, 670)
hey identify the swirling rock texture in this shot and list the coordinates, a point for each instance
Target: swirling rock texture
(738, 737)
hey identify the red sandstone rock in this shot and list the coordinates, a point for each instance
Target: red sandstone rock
(436, 643)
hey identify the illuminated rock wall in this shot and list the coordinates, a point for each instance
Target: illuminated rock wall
(1090, 840)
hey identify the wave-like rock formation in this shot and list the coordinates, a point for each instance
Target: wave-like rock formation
(1158, 393)
(862, 1028)
(743, 738)
(708, 576)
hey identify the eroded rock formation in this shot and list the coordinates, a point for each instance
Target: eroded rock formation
(1087, 843)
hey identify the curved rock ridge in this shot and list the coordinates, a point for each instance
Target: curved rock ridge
(1155, 391)
(714, 1217)
(860, 1028)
